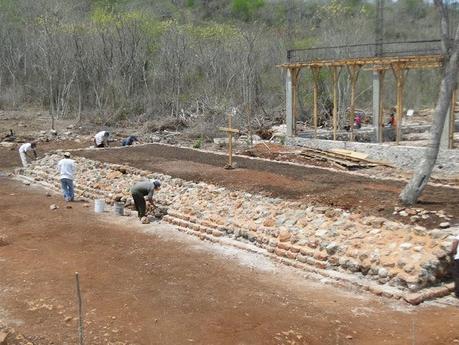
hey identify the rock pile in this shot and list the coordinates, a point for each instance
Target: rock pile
(328, 239)
(415, 214)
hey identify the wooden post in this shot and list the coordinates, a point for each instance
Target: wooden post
(315, 77)
(230, 142)
(382, 73)
(295, 73)
(229, 130)
(305, 92)
(80, 310)
(335, 100)
(354, 74)
(399, 73)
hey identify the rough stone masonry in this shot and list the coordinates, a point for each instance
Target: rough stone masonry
(384, 256)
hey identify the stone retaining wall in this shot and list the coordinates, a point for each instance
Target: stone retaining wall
(375, 252)
(404, 157)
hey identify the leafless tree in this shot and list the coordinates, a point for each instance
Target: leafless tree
(450, 48)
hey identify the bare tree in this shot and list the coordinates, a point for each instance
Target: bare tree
(450, 48)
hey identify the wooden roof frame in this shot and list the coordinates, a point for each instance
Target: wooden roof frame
(398, 64)
(414, 61)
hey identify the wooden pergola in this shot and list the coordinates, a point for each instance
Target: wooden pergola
(399, 59)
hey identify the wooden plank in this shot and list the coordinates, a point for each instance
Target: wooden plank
(329, 157)
(349, 159)
(225, 129)
(353, 154)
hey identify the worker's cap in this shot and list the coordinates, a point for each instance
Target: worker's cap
(33, 144)
(67, 154)
(106, 134)
(156, 183)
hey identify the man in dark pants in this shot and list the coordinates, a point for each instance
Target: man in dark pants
(455, 255)
(142, 189)
(129, 140)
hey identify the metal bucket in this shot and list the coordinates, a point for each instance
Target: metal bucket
(99, 205)
(119, 208)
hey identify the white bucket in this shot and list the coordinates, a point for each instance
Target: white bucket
(99, 205)
(119, 208)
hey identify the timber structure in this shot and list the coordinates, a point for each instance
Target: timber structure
(398, 57)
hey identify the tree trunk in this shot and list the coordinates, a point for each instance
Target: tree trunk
(414, 188)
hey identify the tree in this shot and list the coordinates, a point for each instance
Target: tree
(450, 48)
(246, 8)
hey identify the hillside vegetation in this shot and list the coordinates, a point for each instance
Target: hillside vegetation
(121, 60)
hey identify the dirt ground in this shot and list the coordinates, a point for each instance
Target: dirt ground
(9, 157)
(281, 153)
(317, 186)
(153, 285)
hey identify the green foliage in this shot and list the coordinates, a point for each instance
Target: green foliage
(245, 9)
(190, 3)
(198, 143)
(150, 26)
(340, 8)
(102, 18)
(110, 5)
(9, 10)
(304, 43)
(213, 31)
(282, 140)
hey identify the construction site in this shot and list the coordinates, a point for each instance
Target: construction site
(293, 233)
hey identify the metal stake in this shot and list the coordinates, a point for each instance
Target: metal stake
(80, 309)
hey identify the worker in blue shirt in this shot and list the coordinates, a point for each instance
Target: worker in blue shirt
(129, 140)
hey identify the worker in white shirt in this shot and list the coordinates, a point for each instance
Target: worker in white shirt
(66, 168)
(23, 152)
(101, 139)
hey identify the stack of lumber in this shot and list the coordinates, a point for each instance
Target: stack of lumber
(342, 159)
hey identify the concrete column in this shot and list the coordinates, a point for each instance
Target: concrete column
(376, 103)
(290, 121)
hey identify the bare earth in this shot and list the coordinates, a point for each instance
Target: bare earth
(153, 285)
(314, 185)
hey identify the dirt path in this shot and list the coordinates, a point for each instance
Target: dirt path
(324, 187)
(164, 287)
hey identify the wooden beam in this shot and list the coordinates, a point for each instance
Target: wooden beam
(305, 102)
(383, 61)
(229, 131)
(225, 129)
(315, 77)
(354, 71)
(381, 105)
(295, 73)
(411, 65)
(336, 71)
(399, 72)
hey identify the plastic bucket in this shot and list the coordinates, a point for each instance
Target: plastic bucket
(119, 208)
(99, 205)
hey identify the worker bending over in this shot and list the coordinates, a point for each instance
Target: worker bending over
(142, 189)
(24, 152)
(101, 139)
